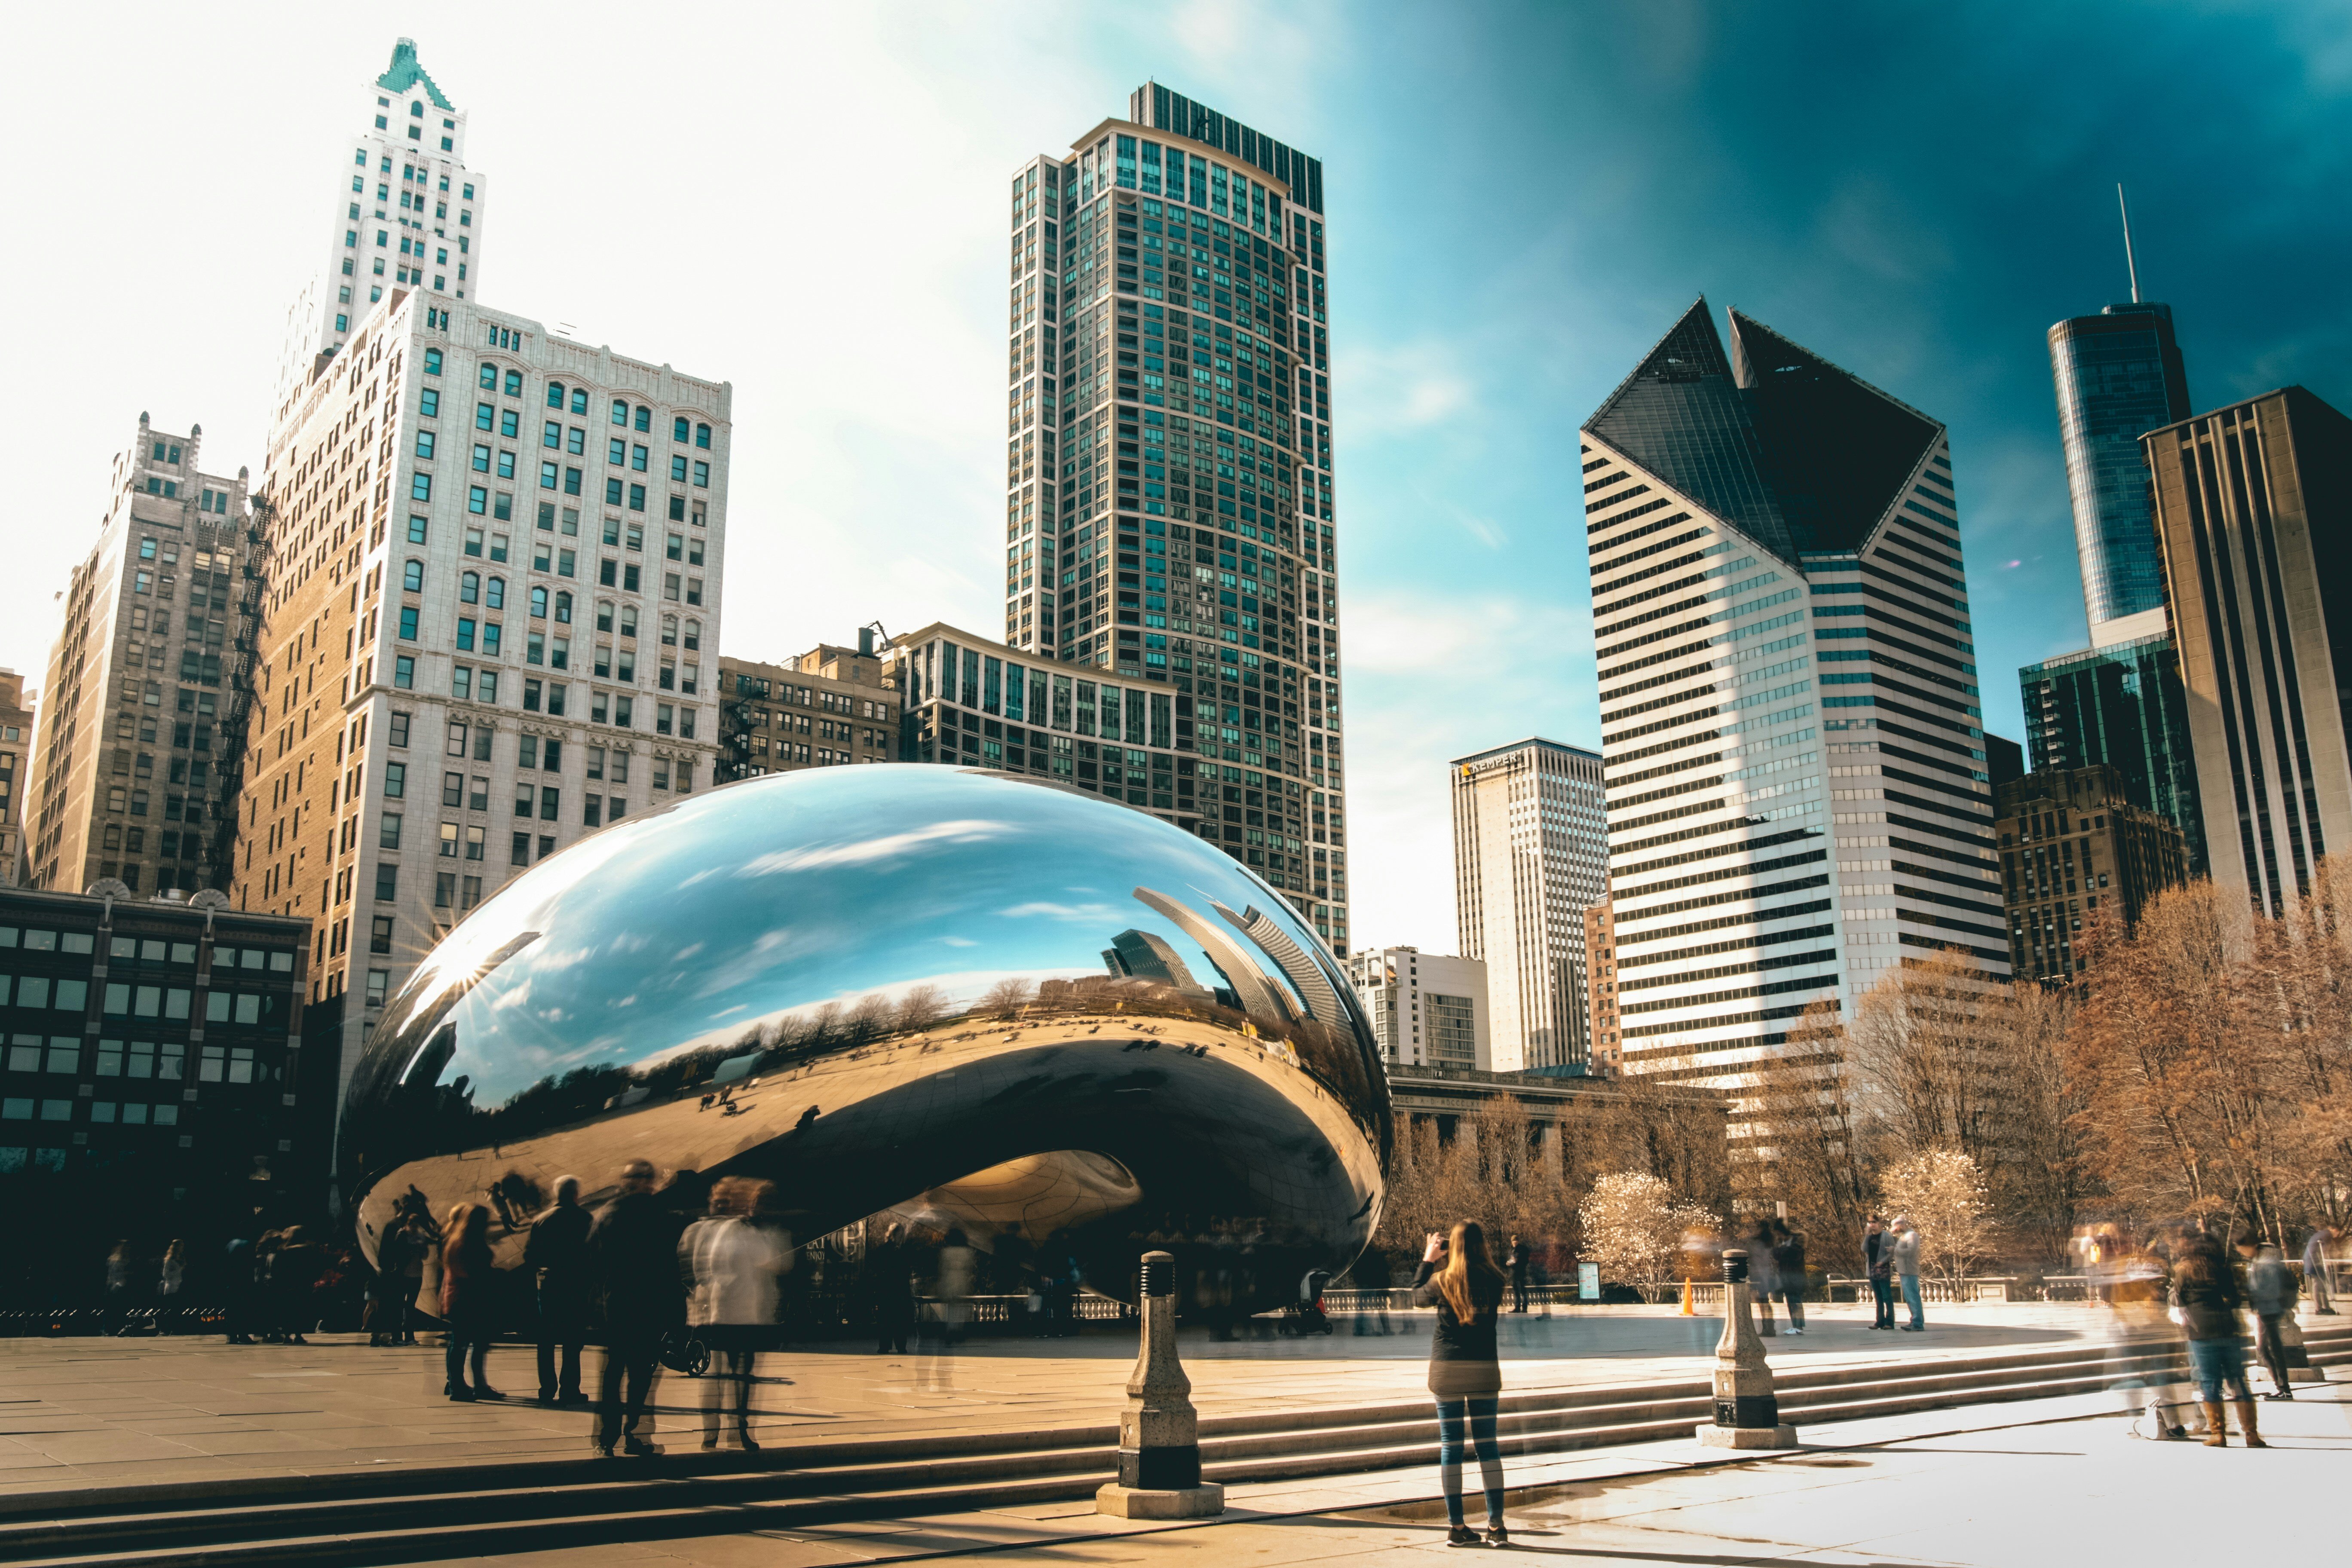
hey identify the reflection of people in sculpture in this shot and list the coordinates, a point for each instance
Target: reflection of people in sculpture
(731, 1262)
(557, 1252)
(886, 1273)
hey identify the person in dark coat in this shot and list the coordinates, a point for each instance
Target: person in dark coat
(557, 1253)
(1518, 1259)
(1458, 1279)
(633, 1258)
(468, 1296)
(2207, 1298)
(2271, 1292)
(885, 1278)
(1878, 1260)
(1789, 1263)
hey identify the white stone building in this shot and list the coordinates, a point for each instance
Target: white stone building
(1428, 1009)
(492, 625)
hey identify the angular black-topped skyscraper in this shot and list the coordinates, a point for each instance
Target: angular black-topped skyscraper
(1797, 787)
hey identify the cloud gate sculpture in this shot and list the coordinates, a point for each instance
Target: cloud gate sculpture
(1043, 1017)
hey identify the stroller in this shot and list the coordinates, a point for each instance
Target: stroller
(1306, 1315)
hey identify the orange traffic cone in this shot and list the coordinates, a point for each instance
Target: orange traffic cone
(1687, 1298)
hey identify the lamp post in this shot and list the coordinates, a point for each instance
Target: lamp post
(1159, 1432)
(1746, 1412)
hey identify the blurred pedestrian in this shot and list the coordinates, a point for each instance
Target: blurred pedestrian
(2206, 1298)
(1458, 1279)
(1763, 1275)
(632, 1252)
(2317, 1279)
(1905, 1257)
(2270, 1291)
(1517, 1258)
(1789, 1263)
(734, 1263)
(295, 1265)
(468, 1301)
(237, 1287)
(884, 1279)
(949, 1307)
(171, 1279)
(557, 1255)
(117, 1320)
(1878, 1260)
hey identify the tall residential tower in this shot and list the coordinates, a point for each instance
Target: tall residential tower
(1530, 854)
(1785, 659)
(1169, 512)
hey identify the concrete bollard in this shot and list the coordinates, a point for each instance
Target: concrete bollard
(1159, 1432)
(1746, 1412)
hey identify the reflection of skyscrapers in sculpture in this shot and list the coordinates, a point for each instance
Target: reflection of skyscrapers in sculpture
(1530, 854)
(1306, 977)
(1140, 955)
(1254, 990)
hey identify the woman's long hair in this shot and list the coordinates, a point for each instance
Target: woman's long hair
(1469, 1273)
(469, 1228)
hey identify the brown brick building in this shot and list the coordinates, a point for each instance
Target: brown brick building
(2074, 847)
(828, 708)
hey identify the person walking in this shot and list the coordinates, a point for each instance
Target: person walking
(117, 1320)
(1878, 1260)
(735, 1263)
(1763, 1277)
(633, 1258)
(2317, 1282)
(294, 1270)
(2206, 1296)
(557, 1253)
(1905, 1256)
(2270, 1291)
(169, 1282)
(468, 1290)
(1458, 1279)
(1518, 1257)
(1788, 1262)
(237, 1286)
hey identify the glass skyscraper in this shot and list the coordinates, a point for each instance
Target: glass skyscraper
(2118, 375)
(2124, 705)
(1169, 519)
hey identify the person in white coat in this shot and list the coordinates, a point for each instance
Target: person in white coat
(732, 1261)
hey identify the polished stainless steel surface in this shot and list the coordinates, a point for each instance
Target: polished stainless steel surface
(961, 996)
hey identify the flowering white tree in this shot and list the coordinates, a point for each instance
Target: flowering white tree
(1636, 1230)
(1942, 1193)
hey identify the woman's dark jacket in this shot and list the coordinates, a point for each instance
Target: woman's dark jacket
(1462, 1362)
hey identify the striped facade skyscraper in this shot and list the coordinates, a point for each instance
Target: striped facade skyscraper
(1798, 789)
(1169, 511)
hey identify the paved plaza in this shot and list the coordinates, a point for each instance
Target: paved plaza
(2056, 1481)
(100, 1411)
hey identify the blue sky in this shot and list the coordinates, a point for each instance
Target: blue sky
(805, 201)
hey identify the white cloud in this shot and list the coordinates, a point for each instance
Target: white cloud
(1060, 911)
(865, 851)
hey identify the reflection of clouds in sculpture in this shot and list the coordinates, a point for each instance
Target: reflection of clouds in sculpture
(782, 927)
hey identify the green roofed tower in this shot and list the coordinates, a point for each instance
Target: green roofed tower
(407, 216)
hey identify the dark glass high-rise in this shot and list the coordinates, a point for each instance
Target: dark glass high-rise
(2118, 375)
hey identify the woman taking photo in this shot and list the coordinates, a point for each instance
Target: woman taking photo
(1462, 1282)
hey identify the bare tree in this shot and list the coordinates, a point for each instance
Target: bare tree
(1942, 1193)
(1803, 1143)
(2043, 1180)
(1005, 998)
(919, 1008)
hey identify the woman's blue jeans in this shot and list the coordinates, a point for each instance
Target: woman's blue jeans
(1478, 1416)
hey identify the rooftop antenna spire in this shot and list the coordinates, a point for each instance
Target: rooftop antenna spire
(2132, 265)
